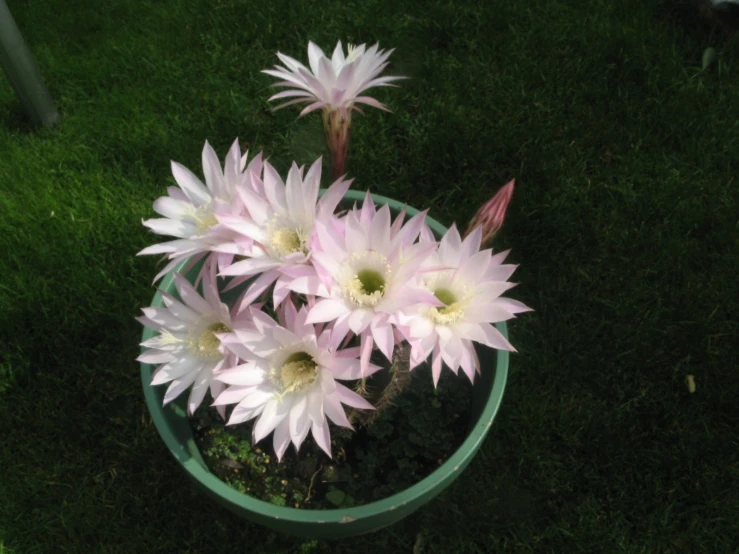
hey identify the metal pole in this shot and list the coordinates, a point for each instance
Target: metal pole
(18, 64)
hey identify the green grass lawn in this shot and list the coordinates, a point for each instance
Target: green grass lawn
(624, 222)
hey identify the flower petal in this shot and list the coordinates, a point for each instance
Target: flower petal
(314, 56)
(325, 310)
(322, 436)
(489, 336)
(379, 233)
(421, 327)
(245, 375)
(258, 396)
(331, 198)
(299, 421)
(334, 411)
(172, 208)
(199, 388)
(171, 227)
(372, 102)
(359, 319)
(191, 185)
(212, 171)
(346, 368)
(274, 413)
(450, 247)
(241, 414)
(472, 269)
(250, 266)
(384, 339)
(164, 318)
(281, 438)
(231, 395)
(178, 386)
(190, 296)
(351, 398)
(308, 284)
(177, 369)
(155, 357)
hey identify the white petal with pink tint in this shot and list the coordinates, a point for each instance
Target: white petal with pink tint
(326, 310)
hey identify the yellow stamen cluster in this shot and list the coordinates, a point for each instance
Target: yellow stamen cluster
(452, 310)
(284, 237)
(204, 217)
(286, 241)
(298, 372)
(446, 315)
(360, 296)
(366, 287)
(206, 344)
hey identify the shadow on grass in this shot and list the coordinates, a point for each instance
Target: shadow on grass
(13, 117)
(698, 18)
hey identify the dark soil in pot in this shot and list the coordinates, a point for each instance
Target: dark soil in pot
(405, 441)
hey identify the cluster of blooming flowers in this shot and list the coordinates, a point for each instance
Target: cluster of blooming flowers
(339, 285)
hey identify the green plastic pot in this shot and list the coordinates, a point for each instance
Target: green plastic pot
(172, 423)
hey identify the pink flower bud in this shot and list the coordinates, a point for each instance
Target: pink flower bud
(491, 215)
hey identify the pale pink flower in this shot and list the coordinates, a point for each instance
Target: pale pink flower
(469, 283)
(280, 225)
(289, 380)
(191, 211)
(335, 86)
(368, 274)
(188, 348)
(335, 83)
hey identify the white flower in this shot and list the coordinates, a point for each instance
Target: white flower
(368, 272)
(280, 225)
(335, 83)
(188, 348)
(190, 211)
(289, 380)
(469, 283)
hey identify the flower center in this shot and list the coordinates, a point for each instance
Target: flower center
(286, 241)
(366, 288)
(452, 310)
(365, 277)
(298, 372)
(204, 217)
(446, 296)
(206, 345)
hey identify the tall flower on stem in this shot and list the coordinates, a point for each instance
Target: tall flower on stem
(491, 215)
(334, 85)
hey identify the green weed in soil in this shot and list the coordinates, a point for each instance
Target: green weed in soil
(407, 440)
